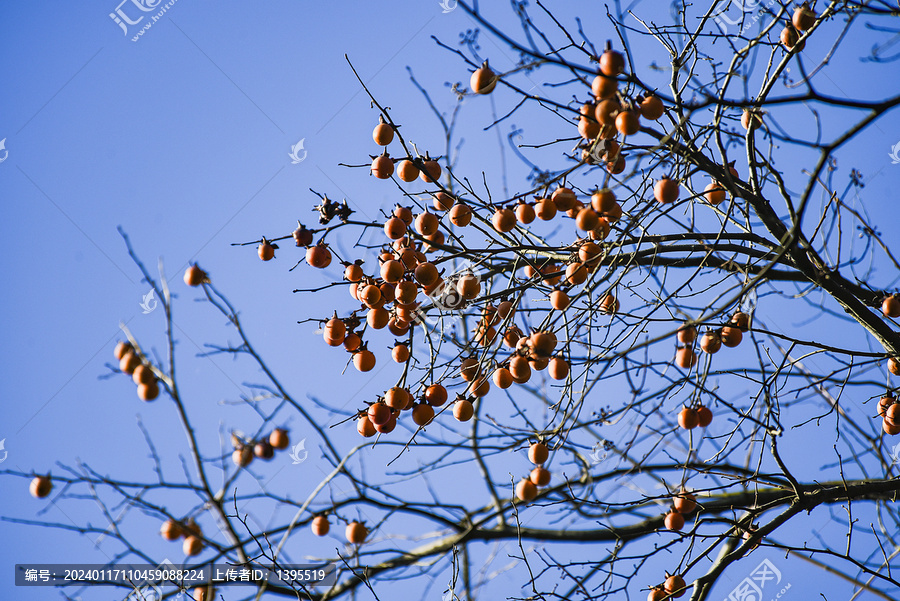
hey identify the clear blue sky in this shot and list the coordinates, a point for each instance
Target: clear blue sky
(182, 139)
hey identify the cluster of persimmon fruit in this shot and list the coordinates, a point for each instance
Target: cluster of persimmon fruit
(612, 113)
(889, 410)
(534, 352)
(189, 530)
(132, 362)
(673, 587)
(408, 169)
(711, 342)
(527, 488)
(683, 503)
(690, 417)
(803, 18)
(264, 448)
(391, 297)
(355, 532)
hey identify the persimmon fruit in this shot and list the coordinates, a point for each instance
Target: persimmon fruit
(279, 438)
(422, 414)
(612, 62)
(192, 545)
(129, 362)
(320, 525)
(365, 427)
(461, 214)
(143, 374)
(266, 251)
(483, 79)
(704, 415)
(194, 276)
(685, 357)
(688, 418)
(804, 17)
(675, 586)
(431, 171)
(502, 377)
(407, 170)
(674, 520)
(731, 336)
(684, 502)
(504, 220)
(666, 190)
(148, 391)
(652, 108)
(436, 395)
(463, 410)
(540, 476)
(171, 530)
(526, 491)
(383, 166)
(538, 453)
(318, 256)
(383, 133)
(890, 307)
(364, 360)
(243, 456)
(40, 486)
(356, 533)
(711, 342)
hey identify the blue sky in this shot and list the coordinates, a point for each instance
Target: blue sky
(182, 139)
